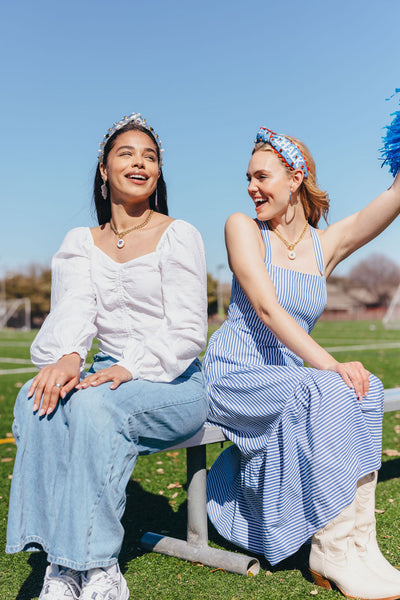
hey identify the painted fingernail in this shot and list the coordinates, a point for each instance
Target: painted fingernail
(42, 412)
(35, 407)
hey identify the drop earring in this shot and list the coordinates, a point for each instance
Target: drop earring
(156, 200)
(104, 190)
(291, 202)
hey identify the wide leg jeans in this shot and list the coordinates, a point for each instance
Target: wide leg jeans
(72, 467)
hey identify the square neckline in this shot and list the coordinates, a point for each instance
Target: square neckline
(127, 262)
(318, 254)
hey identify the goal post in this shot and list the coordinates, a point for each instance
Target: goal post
(17, 310)
(391, 320)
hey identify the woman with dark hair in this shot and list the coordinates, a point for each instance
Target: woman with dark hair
(307, 440)
(138, 283)
(157, 200)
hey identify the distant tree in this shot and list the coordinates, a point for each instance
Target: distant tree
(212, 286)
(378, 274)
(34, 283)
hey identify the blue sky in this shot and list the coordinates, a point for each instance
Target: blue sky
(206, 75)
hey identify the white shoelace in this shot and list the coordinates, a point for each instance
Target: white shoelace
(101, 583)
(61, 585)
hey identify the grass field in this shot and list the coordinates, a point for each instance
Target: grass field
(154, 505)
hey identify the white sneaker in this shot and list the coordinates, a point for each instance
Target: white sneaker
(98, 584)
(61, 583)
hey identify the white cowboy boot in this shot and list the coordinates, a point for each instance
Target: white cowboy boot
(335, 559)
(365, 530)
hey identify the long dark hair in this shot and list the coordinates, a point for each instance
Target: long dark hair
(103, 207)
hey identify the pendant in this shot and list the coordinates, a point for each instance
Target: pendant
(292, 254)
(120, 243)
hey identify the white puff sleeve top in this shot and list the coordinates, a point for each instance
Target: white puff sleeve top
(149, 313)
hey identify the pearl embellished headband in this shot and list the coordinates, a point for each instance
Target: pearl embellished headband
(133, 118)
(287, 149)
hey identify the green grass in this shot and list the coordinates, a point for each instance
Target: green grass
(384, 363)
(153, 506)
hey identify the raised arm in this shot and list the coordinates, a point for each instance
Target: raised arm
(246, 259)
(344, 237)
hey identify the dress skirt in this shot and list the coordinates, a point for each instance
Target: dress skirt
(301, 444)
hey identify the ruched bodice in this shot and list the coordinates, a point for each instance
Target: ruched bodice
(150, 313)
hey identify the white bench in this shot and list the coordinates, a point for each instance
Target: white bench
(196, 548)
(392, 399)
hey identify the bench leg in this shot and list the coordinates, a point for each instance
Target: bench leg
(196, 548)
(196, 467)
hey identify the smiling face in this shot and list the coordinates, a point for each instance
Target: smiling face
(132, 168)
(270, 185)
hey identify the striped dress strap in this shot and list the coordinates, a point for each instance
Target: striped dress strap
(316, 243)
(267, 243)
(318, 250)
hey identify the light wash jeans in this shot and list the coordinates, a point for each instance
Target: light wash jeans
(72, 468)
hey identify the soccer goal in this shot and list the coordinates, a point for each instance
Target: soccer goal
(15, 313)
(391, 320)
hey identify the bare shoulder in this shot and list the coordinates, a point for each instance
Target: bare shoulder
(161, 219)
(161, 222)
(98, 232)
(243, 237)
(321, 233)
(335, 242)
(239, 221)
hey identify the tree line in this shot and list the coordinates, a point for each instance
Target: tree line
(35, 283)
(378, 274)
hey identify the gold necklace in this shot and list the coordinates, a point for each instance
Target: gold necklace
(121, 234)
(290, 246)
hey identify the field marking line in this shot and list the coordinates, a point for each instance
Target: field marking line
(337, 340)
(16, 344)
(16, 361)
(17, 371)
(381, 346)
(31, 369)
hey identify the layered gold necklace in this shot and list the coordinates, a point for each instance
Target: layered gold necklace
(122, 234)
(290, 246)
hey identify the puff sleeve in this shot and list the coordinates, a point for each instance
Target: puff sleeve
(165, 354)
(69, 327)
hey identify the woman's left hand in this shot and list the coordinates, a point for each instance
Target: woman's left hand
(355, 375)
(116, 374)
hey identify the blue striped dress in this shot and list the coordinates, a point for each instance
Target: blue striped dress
(302, 438)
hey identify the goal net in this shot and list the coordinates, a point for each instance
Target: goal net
(15, 313)
(391, 320)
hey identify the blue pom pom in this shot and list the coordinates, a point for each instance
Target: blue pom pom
(390, 152)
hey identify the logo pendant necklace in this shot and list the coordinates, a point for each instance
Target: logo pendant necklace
(122, 234)
(290, 246)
